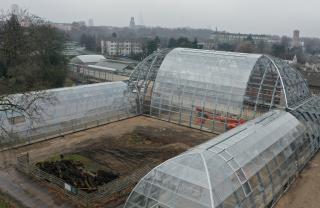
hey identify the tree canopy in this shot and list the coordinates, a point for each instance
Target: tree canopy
(183, 42)
(89, 42)
(31, 58)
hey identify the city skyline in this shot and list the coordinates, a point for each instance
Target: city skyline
(244, 16)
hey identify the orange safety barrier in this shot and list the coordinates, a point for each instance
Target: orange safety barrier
(231, 122)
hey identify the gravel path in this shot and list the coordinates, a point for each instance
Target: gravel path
(29, 193)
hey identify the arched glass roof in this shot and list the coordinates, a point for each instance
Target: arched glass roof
(295, 85)
(249, 166)
(69, 109)
(216, 91)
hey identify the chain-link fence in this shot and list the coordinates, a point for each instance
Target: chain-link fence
(113, 190)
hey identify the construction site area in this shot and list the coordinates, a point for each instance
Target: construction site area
(188, 129)
(130, 147)
(122, 148)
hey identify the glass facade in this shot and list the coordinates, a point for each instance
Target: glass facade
(216, 91)
(142, 78)
(309, 113)
(249, 166)
(295, 85)
(74, 108)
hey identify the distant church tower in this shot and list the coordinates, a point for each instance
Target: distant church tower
(296, 39)
(132, 23)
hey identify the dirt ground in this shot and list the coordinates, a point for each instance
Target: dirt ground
(114, 136)
(134, 141)
(305, 191)
(120, 146)
(121, 155)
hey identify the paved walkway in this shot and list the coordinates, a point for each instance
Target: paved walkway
(30, 194)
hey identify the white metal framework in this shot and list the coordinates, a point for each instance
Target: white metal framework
(74, 109)
(214, 90)
(142, 78)
(249, 166)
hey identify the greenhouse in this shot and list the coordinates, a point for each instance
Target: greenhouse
(216, 91)
(87, 59)
(263, 106)
(73, 109)
(249, 166)
(309, 114)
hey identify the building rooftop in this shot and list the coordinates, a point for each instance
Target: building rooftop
(84, 59)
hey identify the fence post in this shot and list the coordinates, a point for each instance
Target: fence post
(23, 162)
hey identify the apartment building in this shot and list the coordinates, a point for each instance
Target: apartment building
(120, 47)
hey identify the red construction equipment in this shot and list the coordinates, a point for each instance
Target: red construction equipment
(231, 122)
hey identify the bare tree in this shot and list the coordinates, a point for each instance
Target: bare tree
(26, 106)
(31, 60)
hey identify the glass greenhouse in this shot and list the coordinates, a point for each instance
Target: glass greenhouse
(217, 91)
(75, 108)
(309, 114)
(249, 166)
(87, 59)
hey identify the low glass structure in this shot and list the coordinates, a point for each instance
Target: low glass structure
(95, 73)
(73, 109)
(249, 166)
(87, 59)
(217, 91)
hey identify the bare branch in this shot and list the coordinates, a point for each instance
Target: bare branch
(31, 105)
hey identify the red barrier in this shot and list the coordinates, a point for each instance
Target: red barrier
(231, 122)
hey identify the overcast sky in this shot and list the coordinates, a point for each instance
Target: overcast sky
(246, 16)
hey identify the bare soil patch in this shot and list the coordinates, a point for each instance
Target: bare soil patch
(120, 148)
(110, 158)
(305, 191)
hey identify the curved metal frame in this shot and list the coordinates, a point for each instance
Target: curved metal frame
(280, 76)
(226, 148)
(144, 74)
(265, 88)
(298, 90)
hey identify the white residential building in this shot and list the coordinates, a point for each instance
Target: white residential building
(120, 48)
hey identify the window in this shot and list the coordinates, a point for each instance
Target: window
(16, 120)
(246, 188)
(241, 175)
